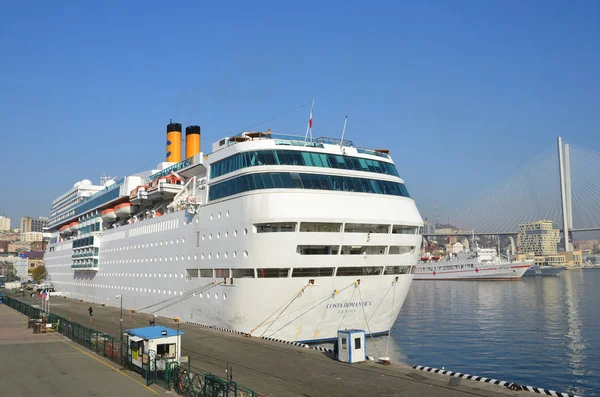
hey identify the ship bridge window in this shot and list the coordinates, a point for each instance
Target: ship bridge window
(317, 249)
(366, 228)
(272, 272)
(363, 249)
(275, 227)
(222, 273)
(299, 158)
(207, 273)
(400, 249)
(191, 273)
(359, 271)
(397, 270)
(287, 180)
(312, 272)
(401, 229)
(323, 227)
(242, 273)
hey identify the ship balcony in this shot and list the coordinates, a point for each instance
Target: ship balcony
(85, 264)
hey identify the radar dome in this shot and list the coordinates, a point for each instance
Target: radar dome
(86, 182)
(76, 185)
(109, 182)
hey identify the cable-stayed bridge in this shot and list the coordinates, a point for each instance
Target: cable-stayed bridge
(533, 192)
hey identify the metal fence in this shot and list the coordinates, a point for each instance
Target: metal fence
(155, 370)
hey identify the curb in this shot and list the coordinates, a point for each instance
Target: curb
(217, 328)
(510, 385)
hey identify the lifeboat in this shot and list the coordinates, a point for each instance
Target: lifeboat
(108, 215)
(73, 227)
(165, 187)
(125, 210)
(425, 258)
(65, 230)
(436, 258)
(139, 195)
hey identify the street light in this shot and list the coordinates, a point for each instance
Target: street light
(120, 298)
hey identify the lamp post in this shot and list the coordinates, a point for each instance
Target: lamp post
(120, 298)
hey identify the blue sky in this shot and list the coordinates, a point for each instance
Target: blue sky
(463, 93)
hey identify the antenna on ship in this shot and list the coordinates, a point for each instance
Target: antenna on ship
(344, 131)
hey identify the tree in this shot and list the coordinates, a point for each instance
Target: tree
(8, 269)
(38, 273)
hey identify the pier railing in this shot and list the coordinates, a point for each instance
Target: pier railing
(172, 376)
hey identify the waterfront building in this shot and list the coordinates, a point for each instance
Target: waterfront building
(4, 223)
(538, 237)
(29, 224)
(565, 259)
(32, 236)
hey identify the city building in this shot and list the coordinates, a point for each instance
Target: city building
(454, 248)
(566, 259)
(32, 236)
(19, 246)
(29, 224)
(585, 244)
(538, 237)
(4, 223)
(428, 228)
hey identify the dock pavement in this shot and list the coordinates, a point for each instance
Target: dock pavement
(277, 369)
(47, 364)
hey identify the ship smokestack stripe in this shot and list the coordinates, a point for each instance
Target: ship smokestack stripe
(510, 385)
(173, 154)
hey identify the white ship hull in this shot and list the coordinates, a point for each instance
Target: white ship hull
(147, 262)
(470, 270)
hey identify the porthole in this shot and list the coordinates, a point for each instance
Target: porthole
(227, 214)
(225, 254)
(245, 232)
(171, 241)
(211, 217)
(210, 236)
(176, 241)
(226, 234)
(209, 255)
(235, 233)
(218, 255)
(189, 257)
(218, 235)
(219, 215)
(182, 240)
(196, 256)
(208, 295)
(216, 295)
(200, 294)
(245, 254)
(235, 254)
(224, 297)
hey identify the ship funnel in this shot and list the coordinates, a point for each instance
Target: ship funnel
(174, 142)
(192, 141)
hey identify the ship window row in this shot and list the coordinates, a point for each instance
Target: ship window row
(268, 272)
(299, 158)
(354, 249)
(292, 180)
(333, 227)
(83, 242)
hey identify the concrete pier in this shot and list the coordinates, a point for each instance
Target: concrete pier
(277, 369)
(47, 364)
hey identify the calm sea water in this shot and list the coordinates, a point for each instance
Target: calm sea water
(539, 331)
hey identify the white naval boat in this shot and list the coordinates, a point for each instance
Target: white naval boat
(272, 235)
(482, 264)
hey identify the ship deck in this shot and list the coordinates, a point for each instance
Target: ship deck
(278, 369)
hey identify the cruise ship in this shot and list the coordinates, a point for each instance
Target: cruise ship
(270, 235)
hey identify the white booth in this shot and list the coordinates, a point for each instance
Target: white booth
(155, 342)
(351, 346)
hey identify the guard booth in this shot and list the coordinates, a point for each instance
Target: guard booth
(157, 343)
(351, 346)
